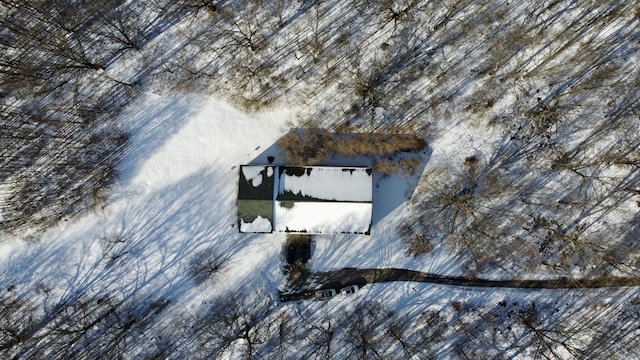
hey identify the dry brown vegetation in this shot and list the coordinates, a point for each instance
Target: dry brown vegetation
(416, 242)
(306, 146)
(406, 167)
(310, 146)
(376, 144)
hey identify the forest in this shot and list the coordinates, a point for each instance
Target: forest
(542, 179)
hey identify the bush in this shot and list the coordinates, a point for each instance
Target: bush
(377, 144)
(310, 146)
(306, 146)
(407, 166)
(416, 242)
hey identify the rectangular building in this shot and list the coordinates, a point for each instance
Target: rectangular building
(307, 199)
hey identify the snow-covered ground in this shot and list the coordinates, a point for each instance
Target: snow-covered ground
(176, 195)
(176, 192)
(176, 199)
(168, 231)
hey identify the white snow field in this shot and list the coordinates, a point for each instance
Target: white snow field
(531, 171)
(176, 198)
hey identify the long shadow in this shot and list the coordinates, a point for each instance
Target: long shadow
(153, 243)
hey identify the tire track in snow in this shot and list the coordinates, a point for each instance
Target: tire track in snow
(386, 251)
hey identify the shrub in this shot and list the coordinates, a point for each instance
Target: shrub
(377, 144)
(310, 146)
(416, 242)
(385, 167)
(306, 146)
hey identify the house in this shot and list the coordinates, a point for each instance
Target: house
(305, 199)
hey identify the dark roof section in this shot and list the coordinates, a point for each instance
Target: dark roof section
(264, 191)
(255, 196)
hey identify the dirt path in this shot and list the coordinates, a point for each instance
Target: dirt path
(350, 276)
(346, 277)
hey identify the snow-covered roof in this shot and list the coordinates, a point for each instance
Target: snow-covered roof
(311, 199)
(255, 198)
(326, 200)
(323, 217)
(256, 182)
(258, 225)
(326, 183)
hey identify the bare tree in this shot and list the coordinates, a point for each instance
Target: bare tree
(392, 11)
(195, 6)
(547, 341)
(321, 332)
(206, 265)
(244, 27)
(236, 320)
(98, 327)
(122, 27)
(614, 333)
(365, 335)
(18, 321)
(419, 339)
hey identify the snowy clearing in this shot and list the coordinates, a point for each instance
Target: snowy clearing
(503, 138)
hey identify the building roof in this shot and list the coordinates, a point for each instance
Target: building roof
(325, 183)
(323, 217)
(310, 199)
(255, 198)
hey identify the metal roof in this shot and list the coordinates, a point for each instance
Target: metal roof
(307, 199)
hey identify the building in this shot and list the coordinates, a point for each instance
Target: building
(310, 199)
